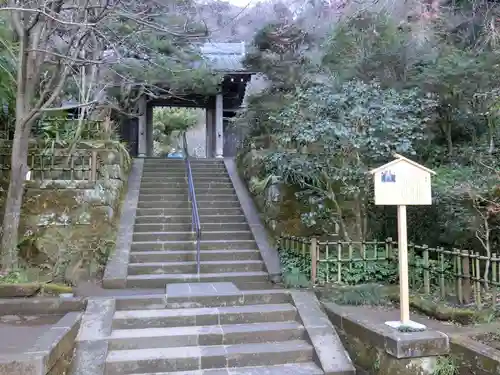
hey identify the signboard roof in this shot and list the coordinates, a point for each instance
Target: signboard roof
(398, 159)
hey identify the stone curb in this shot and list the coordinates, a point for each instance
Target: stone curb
(41, 305)
(330, 353)
(47, 350)
(400, 345)
(115, 274)
(269, 253)
(91, 342)
(475, 355)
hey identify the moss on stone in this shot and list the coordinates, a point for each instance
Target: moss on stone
(67, 232)
(444, 312)
(283, 216)
(376, 361)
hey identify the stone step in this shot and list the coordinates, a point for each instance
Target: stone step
(179, 162)
(187, 211)
(159, 268)
(158, 281)
(186, 227)
(205, 357)
(171, 337)
(200, 197)
(181, 296)
(186, 219)
(190, 255)
(164, 179)
(194, 170)
(183, 203)
(182, 173)
(180, 178)
(144, 192)
(186, 236)
(182, 165)
(158, 301)
(190, 245)
(199, 185)
(305, 368)
(160, 318)
(141, 301)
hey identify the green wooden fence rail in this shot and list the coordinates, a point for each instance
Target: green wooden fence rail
(465, 275)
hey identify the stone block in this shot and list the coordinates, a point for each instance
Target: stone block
(400, 345)
(98, 319)
(268, 252)
(328, 347)
(41, 305)
(115, 274)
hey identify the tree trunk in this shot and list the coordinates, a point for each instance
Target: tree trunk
(491, 136)
(14, 201)
(449, 139)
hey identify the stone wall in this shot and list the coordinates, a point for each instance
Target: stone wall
(68, 227)
(277, 203)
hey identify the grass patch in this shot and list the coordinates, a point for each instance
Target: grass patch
(446, 366)
(358, 295)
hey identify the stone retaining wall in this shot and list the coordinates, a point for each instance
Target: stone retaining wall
(69, 226)
(378, 349)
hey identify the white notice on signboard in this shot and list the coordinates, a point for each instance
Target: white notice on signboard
(402, 182)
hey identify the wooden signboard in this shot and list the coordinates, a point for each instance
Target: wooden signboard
(401, 183)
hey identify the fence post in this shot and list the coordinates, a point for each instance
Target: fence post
(494, 280)
(388, 249)
(339, 262)
(458, 275)
(442, 284)
(478, 280)
(93, 166)
(427, 283)
(466, 278)
(314, 257)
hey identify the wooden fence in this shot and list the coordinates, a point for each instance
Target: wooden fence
(463, 275)
(56, 129)
(82, 165)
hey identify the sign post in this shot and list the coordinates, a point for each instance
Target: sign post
(401, 183)
(404, 292)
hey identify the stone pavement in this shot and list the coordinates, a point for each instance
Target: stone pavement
(228, 320)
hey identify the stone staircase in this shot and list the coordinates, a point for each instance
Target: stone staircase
(212, 329)
(229, 320)
(163, 251)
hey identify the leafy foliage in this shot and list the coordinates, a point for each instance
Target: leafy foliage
(421, 84)
(343, 131)
(174, 119)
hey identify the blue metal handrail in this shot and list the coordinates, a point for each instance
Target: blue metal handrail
(195, 216)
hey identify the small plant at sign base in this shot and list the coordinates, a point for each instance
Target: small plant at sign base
(445, 366)
(410, 329)
(376, 364)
